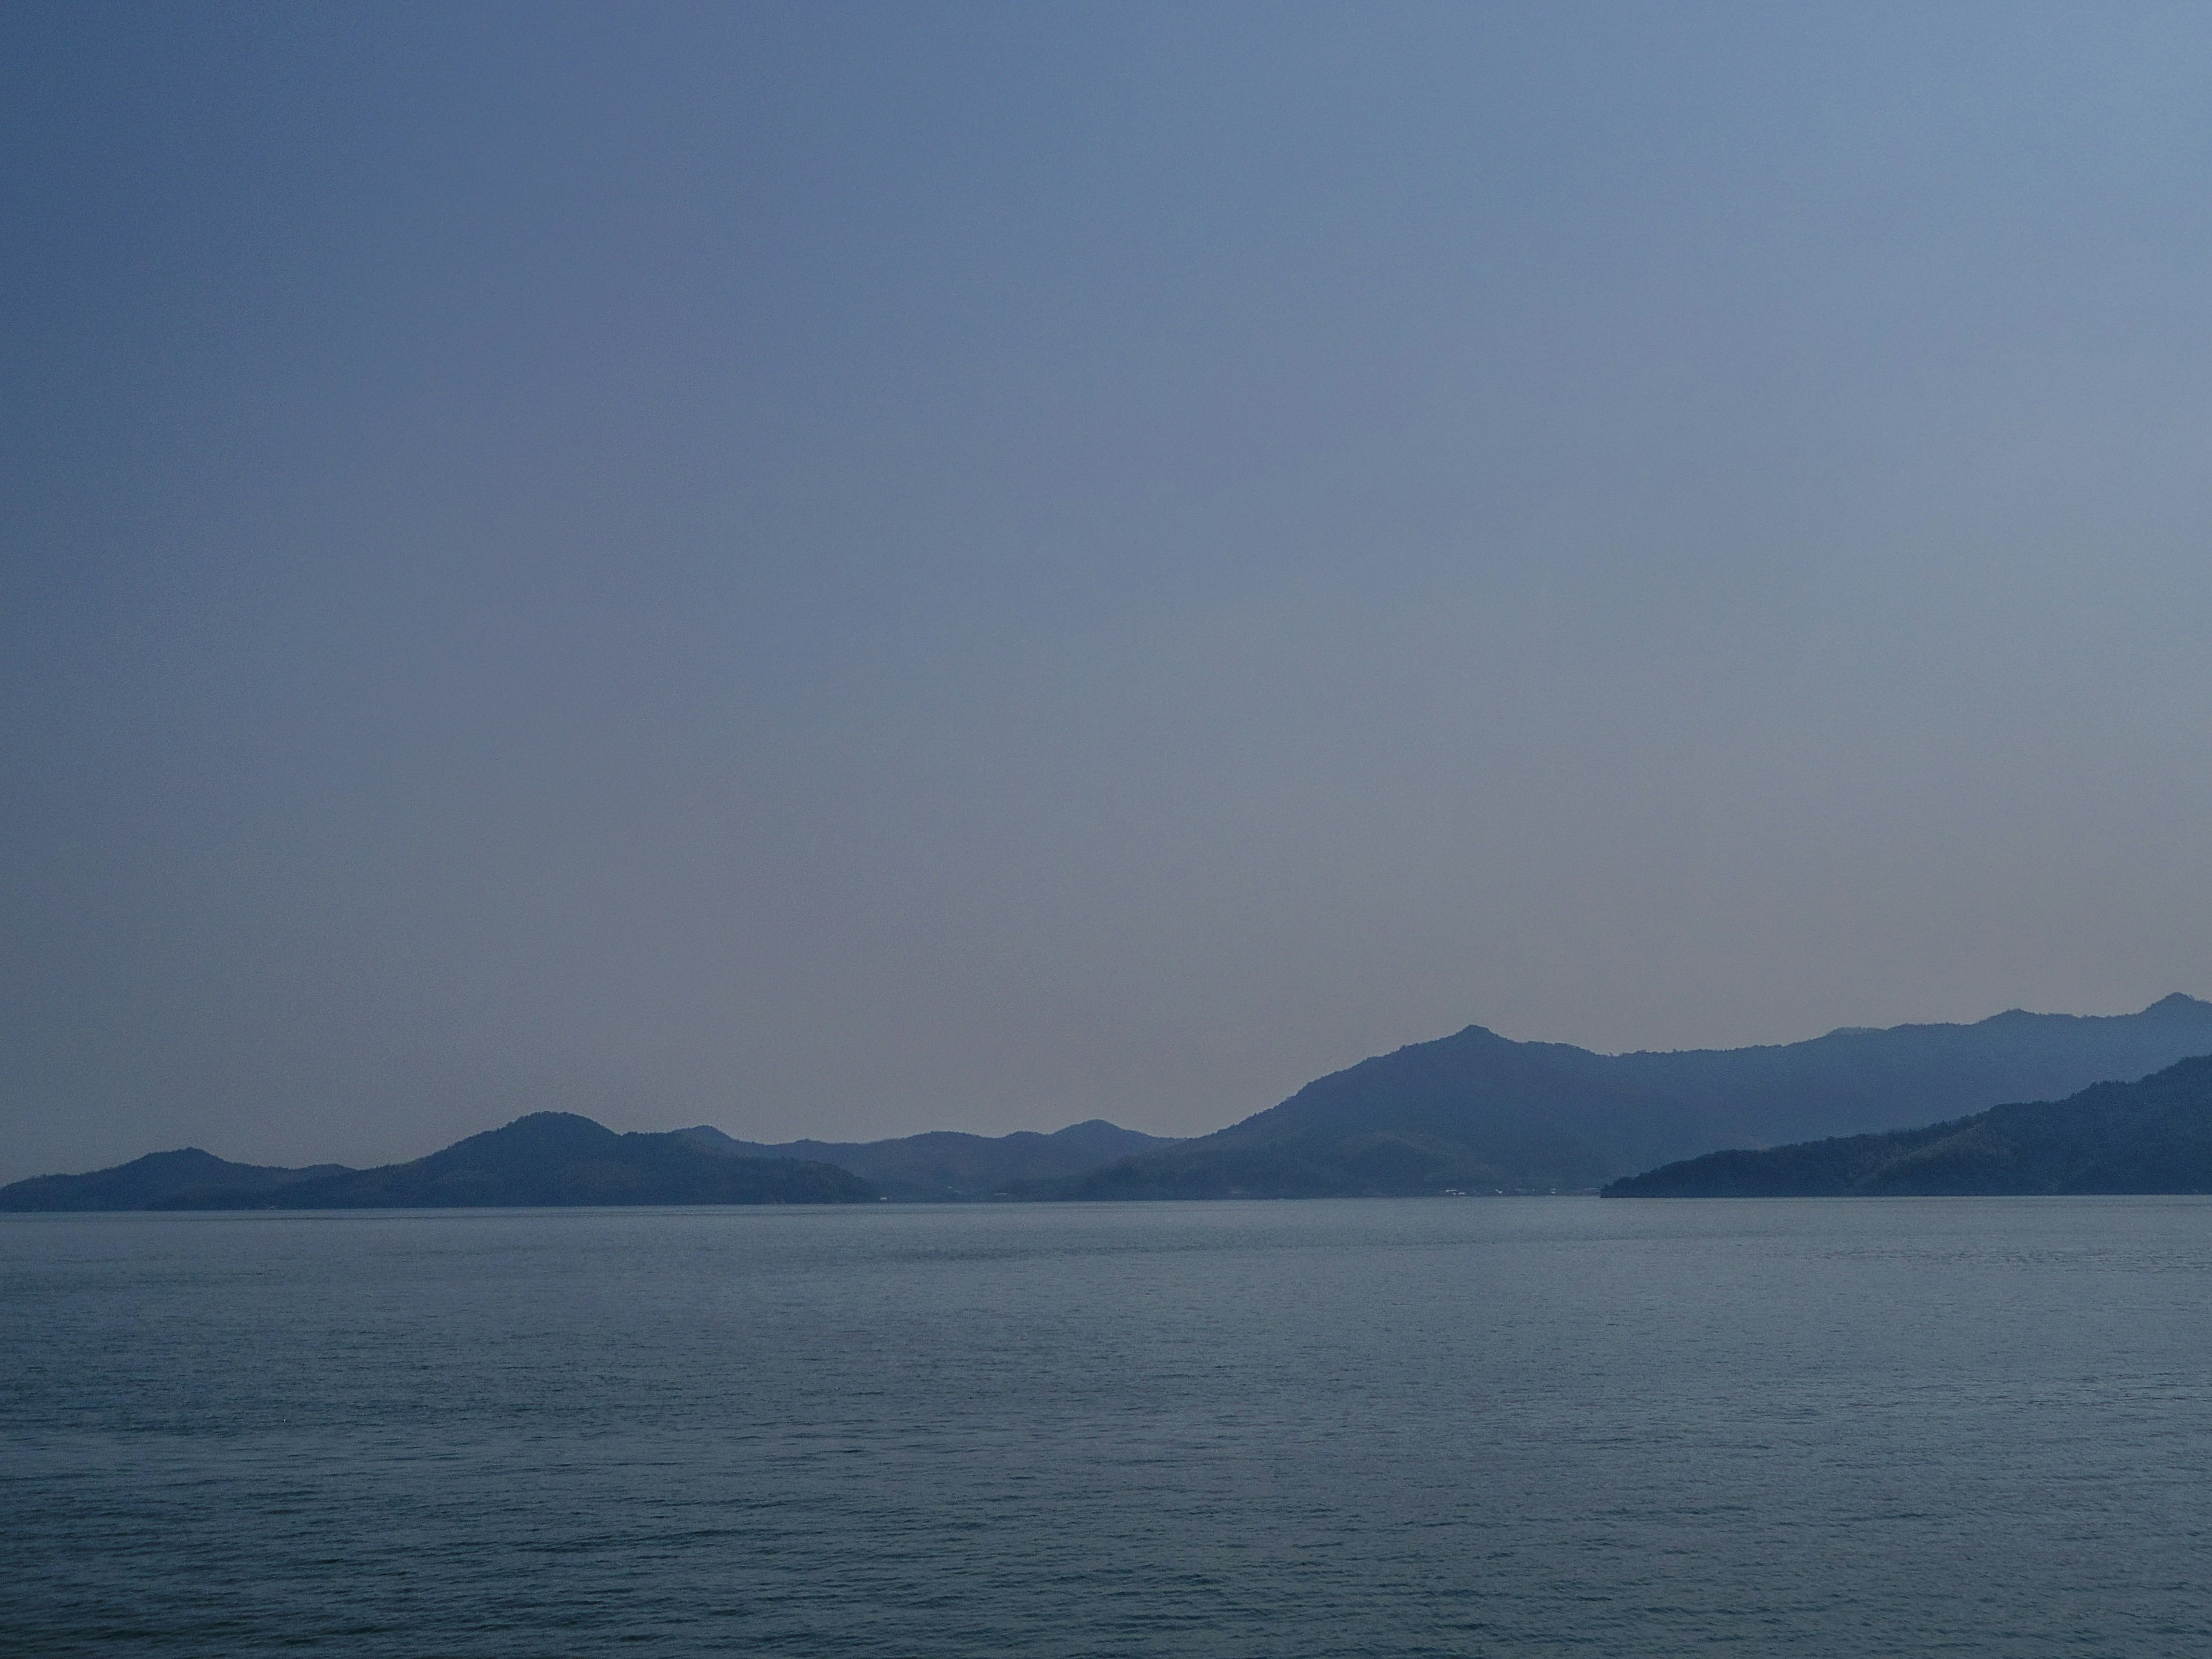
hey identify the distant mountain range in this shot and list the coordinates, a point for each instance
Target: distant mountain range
(1474, 1112)
(553, 1158)
(1479, 1113)
(2150, 1136)
(545, 1158)
(945, 1166)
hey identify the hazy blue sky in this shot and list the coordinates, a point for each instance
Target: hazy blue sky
(850, 570)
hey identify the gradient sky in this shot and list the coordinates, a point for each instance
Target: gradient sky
(844, 571)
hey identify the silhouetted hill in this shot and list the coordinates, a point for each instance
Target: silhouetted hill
(156, 1181)
(548, 1158)
(1479, 1112)
(945, 1165)
(2150, 1136)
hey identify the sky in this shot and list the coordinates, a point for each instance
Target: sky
(844, 570)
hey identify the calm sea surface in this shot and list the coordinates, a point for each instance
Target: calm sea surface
(1418, 1427)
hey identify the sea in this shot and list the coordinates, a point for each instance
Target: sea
(1399, 1427)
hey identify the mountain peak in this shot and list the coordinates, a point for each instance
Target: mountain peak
(543, 1131)
(2177, 1002)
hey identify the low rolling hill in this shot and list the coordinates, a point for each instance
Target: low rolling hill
(157, 1180)
(946, 1166)
(550, 1159)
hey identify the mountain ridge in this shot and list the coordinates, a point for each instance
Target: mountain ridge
(562, 1158)
(1476, 1111)
(948, 1165)
(2151, 1135)
(552, 1159)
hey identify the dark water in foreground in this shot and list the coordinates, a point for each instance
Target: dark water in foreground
(1547, 1427)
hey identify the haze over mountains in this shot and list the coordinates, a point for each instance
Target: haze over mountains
(1472, 1112)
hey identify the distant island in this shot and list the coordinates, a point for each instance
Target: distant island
(548, 1158)
(2150, 1136)
(1474, 1112)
